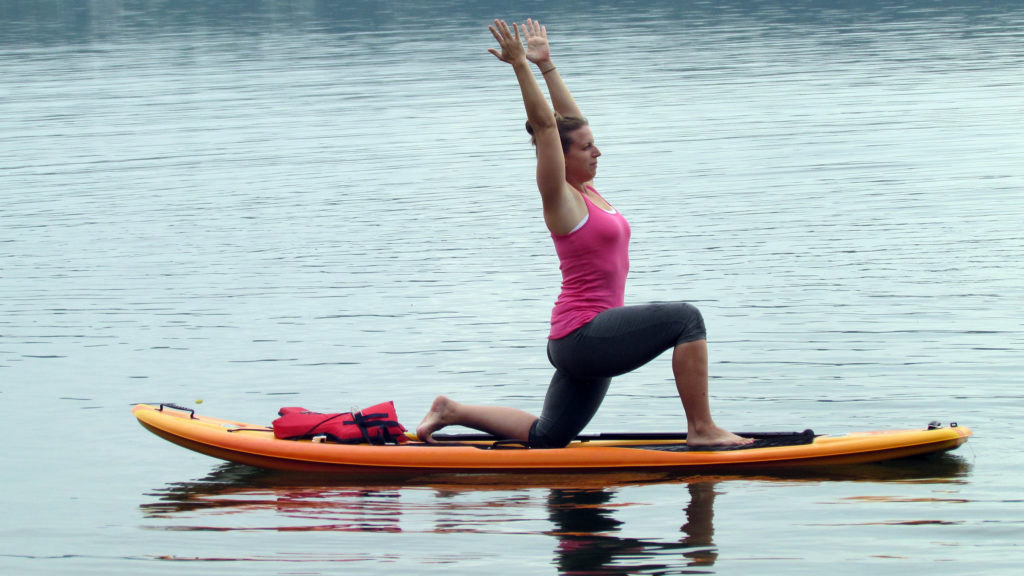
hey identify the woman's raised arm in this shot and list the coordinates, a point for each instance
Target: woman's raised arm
(538, 51)
(560, 205)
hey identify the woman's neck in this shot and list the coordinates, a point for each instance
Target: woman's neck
(580, 187)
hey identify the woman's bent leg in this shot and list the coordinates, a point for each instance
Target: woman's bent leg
(620, 340)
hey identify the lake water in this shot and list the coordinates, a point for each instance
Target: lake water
(246, 205)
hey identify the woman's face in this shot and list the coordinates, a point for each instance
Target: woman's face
(581, 158)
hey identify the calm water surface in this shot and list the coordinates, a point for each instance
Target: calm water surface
(263, 204)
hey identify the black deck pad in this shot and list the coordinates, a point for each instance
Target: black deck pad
(761, 440)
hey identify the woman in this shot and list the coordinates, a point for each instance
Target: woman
(593, 335)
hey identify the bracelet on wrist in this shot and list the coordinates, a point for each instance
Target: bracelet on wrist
(544, 72)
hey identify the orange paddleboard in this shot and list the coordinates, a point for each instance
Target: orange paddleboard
(255, 445)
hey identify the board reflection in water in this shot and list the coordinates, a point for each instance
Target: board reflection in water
(585, 518)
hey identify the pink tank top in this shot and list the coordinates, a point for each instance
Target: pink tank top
(594, 259)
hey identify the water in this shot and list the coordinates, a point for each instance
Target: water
(255, 205)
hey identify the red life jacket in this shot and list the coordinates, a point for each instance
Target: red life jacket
(374, 425)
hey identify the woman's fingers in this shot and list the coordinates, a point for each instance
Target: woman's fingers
(503, 32)
(512, 32)
(494, 31)
(534, 28)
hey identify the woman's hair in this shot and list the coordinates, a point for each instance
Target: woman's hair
(566, 126)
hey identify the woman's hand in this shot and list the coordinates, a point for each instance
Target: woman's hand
(512, 49)
(537, 49)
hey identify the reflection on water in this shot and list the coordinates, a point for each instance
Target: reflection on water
(588, 543)
(581, 513)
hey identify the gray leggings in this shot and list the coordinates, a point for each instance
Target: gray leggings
(616, 341)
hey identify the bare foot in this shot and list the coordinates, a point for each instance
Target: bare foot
(716, 436)
(437, 417)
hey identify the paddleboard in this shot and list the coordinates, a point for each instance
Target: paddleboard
(255, 445)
